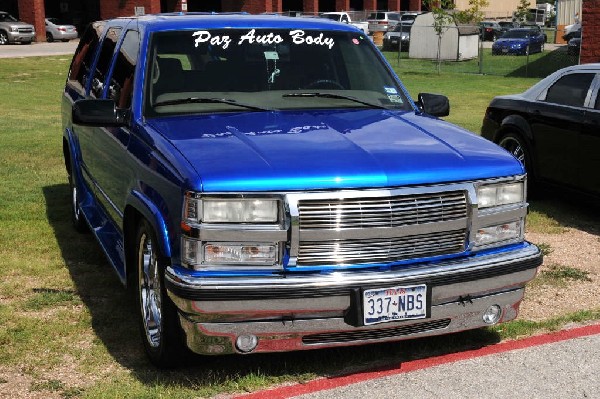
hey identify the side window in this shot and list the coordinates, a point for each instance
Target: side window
(106, 55)
(121, 82)
(570, 89)
(84, 56)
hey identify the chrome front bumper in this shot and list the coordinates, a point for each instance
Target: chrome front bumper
(298, 312)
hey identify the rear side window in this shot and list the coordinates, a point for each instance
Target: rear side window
(84, 56)
(121, 83)
(106, 54)
(570, 90)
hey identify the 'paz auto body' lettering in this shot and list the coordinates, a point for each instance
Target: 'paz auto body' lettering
(298, 37)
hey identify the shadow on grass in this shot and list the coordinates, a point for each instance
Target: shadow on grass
(568, 210)
(543, 66)
(114, 323)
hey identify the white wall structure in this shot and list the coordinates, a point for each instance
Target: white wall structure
(457, 42)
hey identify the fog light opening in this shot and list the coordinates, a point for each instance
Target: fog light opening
(492, 314)
(246, 343)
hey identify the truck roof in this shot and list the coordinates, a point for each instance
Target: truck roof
(176, 21)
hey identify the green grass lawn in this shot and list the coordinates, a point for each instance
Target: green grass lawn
(67, 326)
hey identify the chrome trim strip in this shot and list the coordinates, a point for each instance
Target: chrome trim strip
(367, 233)
(348, 278)
(242, 235)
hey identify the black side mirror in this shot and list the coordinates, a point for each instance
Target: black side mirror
(434, 104)
(94, 112)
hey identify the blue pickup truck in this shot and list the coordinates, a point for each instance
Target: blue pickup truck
(266, 184)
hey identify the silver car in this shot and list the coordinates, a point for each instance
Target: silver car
(57, 31)
(15, 31)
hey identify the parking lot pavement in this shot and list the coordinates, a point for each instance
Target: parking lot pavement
(563, 364)
(38, 49)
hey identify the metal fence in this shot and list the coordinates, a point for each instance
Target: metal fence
(462, 51)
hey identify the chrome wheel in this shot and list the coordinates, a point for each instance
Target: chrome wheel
(150, 291)
(3, 38)
(513, 145)
(76, 215)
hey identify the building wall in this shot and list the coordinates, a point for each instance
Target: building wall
(566, 11)
(496, 9)
(590, 42)
(122, 8)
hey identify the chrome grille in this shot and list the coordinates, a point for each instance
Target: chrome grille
(394, 211)
(382, 229)
(338, 252)
(25, 30)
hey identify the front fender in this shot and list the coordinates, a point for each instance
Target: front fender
(148, 209)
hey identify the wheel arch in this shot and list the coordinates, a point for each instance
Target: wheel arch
(139, 207)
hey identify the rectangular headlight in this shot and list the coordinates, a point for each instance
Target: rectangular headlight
(500, 194)
(197, 254)
(498, 233)
(231, 210)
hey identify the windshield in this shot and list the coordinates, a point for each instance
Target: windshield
(516, 34)
(403, 28)
(245, 70)
(4, 17)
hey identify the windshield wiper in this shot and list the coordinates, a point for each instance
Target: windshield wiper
(209, 100)
(335, 96)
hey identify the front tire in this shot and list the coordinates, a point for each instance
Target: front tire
(158, 318)
(3, 38)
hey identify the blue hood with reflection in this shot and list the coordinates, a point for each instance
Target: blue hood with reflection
(281, 151)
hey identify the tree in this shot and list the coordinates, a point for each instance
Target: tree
(441, 20)
(472, 15)
(522, 11)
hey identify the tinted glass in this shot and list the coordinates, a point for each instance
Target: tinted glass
(570, 89)
(273, 69)
(121, 82)
(106, 54)
(516, 34)
(597, 101)
(84, 55)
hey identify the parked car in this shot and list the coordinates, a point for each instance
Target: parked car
(508, 25)
(55, 30)
(519, 42)
(15, 31)
(574, 46)
(344, 17)
(382, 21)
(553, 128)
(571, 31)
(490, 30)
(265, 184)
(536, 28)
(398, 39)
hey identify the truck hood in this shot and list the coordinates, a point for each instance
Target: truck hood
(281, 151)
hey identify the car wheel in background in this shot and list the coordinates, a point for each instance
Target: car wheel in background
(49, 37)
(3, 38)
(158, 317)
(514, 143)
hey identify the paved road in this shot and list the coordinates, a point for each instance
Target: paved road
(38, 49)
(559, 365)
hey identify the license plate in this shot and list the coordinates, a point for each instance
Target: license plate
(394, 40)
(381, 305)
(505, 50)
